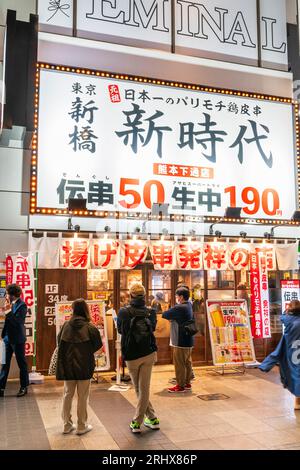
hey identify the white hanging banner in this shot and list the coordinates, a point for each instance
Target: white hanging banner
(287, 256)
(133, 252)
(215, 256)
(105, 254)
(75, 253)
(189, 255)
(19, 270)
(163, 254)
(48, 250)
(239, 254)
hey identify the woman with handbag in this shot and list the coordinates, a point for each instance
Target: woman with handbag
(78, 340)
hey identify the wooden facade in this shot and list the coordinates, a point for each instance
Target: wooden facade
(73, 284)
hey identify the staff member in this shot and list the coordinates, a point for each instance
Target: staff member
(14, 337)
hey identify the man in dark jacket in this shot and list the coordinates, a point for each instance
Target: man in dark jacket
(14, 337)
(136, 324)
(78, 340)
(181, 342)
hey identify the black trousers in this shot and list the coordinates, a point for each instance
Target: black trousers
(19, 350)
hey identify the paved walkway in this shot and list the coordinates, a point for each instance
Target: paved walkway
(257, 415)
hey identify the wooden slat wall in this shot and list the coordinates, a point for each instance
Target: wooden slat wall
(71, 283)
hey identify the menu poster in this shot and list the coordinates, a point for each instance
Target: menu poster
(290, 290)
(230, 332)
(63, 311)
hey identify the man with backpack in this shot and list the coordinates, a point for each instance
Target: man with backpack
(136, 324)
(182, 330)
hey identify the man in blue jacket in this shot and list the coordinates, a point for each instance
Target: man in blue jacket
(181, 342)
(14, 337)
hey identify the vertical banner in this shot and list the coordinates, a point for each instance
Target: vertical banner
(230, 332)
(19, 270)
(9, 270)
(265, 303)
(256, 312)
(260, 307)
(290, 290)
(63, 312)
(2, 294)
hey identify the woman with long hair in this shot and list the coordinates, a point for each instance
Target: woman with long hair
(78, 340)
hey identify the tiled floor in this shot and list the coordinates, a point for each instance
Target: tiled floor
(257, 415)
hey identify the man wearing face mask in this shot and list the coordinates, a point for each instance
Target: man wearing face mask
(14, 337)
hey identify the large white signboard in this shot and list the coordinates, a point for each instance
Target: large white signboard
(218, 29)
(125, 144)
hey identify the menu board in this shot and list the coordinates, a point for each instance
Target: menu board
(230, 332)
(63, 311)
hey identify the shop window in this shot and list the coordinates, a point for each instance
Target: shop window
(100, 285)
(127, 279)
(212, 280)
(275, 310)
(220, 279)
(159, 290)
(226, 279)
(191, 279)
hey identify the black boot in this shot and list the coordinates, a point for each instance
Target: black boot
(22, 392)
(1, 393)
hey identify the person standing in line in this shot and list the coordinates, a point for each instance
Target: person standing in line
(181, 342)
(287, 354)
(136, 324)
(14, 337)
(78, 340)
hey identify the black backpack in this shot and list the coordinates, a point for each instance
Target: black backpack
(140, 331)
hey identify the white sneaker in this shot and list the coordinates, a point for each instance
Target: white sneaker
(69, 429)
(88, 428)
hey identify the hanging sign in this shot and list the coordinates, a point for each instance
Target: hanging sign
(215, 256)
(63, 312)
(238, 256)
(189, 255)
(163, 254)
(105, 254)
(75, 253)
(230, 332)
(133, 252)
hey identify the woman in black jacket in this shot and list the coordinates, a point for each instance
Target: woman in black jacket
(78, 340)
